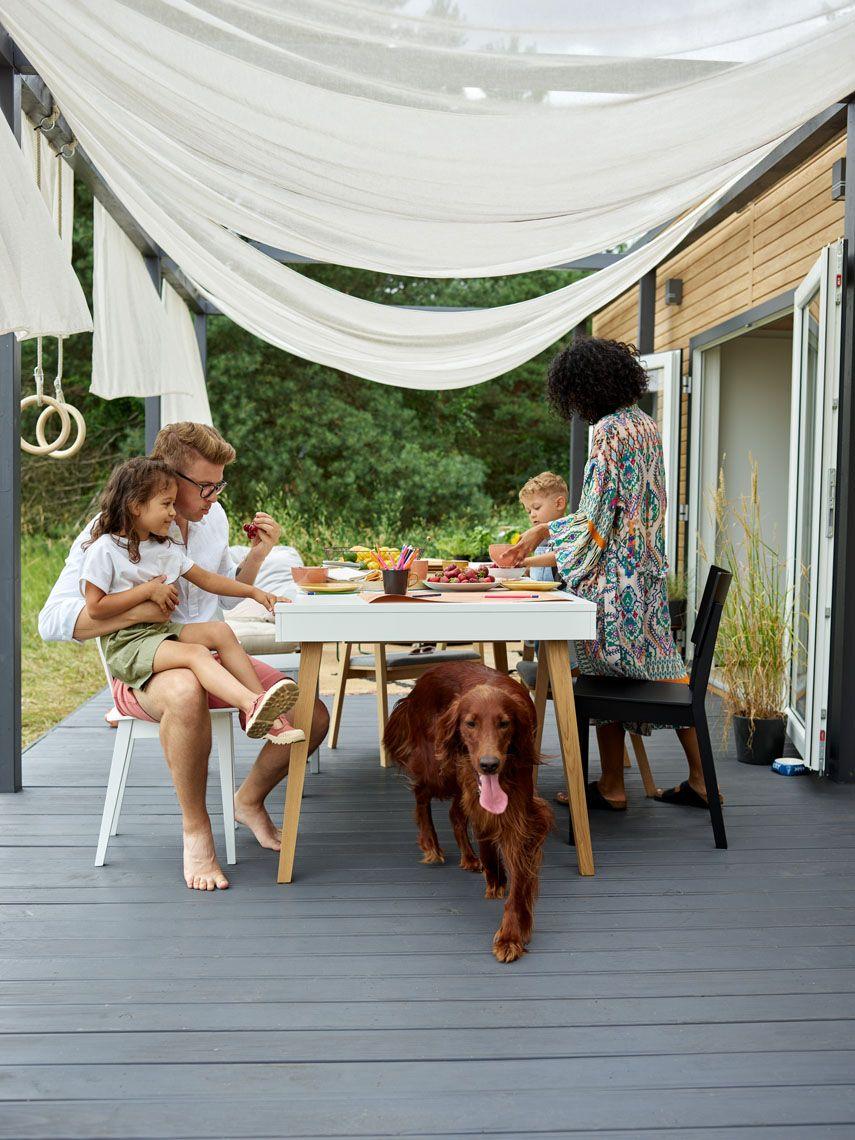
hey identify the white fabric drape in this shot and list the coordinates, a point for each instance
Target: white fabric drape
(455, 145)
(45, 163)
(186, 362)
(133, 350)
(39, 292)
(395, 139)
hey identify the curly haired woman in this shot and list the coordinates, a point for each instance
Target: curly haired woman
(612, 550)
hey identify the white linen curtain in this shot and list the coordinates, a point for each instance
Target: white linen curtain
(461, 145)
(395, 140)
(186, 362)
(134, 349)
(39, 292)
(45, 162)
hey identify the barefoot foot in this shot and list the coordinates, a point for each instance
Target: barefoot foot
(202, 872)
(256, 818)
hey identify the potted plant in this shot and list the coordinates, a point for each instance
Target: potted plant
(677, 595)
(755, 641)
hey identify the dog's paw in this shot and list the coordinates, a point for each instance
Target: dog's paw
(435, 856)
(507, 949)
(496, 891)
(470, 864)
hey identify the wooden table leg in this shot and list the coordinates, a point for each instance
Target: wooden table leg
(500, 656)
(338, 702)
(310, 667)
(558, 661)
(382, 682)
(541, 690)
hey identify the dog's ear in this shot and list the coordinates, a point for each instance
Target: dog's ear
(447, 734)
(524, 716)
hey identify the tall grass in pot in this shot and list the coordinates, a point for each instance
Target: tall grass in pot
(756, 637)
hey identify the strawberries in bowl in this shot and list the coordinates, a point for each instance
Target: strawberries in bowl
(461, 578)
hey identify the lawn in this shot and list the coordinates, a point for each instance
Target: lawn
(56, 678)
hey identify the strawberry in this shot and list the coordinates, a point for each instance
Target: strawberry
(251, 529)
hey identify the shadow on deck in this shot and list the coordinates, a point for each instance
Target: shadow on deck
(682, 991)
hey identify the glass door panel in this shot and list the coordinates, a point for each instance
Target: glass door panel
(813, 455)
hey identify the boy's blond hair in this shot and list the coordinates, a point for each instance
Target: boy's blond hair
(176, 443)
(546, 483)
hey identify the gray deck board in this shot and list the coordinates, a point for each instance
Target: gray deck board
(682, 991)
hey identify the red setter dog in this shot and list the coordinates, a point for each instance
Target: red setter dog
(466, 733)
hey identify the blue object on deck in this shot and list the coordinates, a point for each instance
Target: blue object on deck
(788, 767)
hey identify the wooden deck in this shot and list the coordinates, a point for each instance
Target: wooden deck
(683, 991)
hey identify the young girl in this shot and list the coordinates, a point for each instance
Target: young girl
(131, 559)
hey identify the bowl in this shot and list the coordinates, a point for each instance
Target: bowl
(309, 575)
(497, 549)
(500, 572)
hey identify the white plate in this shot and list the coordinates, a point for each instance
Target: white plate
(461, 587)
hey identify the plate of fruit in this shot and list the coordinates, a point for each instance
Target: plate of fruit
(462, 579)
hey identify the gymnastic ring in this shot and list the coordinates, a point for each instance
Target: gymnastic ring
(65, 419)
(73, 448)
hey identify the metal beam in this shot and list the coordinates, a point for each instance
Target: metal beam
(152, 403)
(840, 745)
(646, 311)
(10, 507)
(578, 447)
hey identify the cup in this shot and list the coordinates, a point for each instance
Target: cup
(395, 581)
(420, 569)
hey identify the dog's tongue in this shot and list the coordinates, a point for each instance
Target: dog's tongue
(492, 798)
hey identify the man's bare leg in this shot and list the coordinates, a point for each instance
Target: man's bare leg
(179, 702)
(270, 769)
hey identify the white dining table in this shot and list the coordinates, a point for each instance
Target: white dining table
(314, 619)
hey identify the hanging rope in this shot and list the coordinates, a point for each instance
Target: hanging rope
(56, 403)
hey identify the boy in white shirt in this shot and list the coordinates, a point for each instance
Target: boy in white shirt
(545, 499)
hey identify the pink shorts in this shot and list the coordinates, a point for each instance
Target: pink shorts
(127, 704)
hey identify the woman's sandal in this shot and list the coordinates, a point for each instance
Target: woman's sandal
(684, 795)
(594, 798)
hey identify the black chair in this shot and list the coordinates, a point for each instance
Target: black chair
(609, 699)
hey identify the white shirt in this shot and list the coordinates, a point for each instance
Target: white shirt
(207, 546)
(107, 564)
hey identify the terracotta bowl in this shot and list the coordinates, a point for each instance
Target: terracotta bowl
(497, 549)
(310, 575)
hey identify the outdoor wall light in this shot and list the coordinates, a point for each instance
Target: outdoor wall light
(674, 291)
(838, 180)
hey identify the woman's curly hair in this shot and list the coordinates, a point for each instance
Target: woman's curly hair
(131, 484)
(592, 378)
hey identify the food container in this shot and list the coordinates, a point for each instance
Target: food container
(310, 575)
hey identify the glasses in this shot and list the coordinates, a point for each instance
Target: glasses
(206, 490)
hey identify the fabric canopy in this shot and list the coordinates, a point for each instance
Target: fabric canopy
(48, 168)
(191, 404)
(39, 293)
(452, 145)
(463, 144)
(139, 347)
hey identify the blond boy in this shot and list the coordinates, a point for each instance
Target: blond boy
(544, 498)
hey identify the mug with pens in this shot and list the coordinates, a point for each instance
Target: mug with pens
(396, 577)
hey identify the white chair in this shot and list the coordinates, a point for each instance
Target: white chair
(128, 732)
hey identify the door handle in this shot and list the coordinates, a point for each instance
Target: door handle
(832, 491)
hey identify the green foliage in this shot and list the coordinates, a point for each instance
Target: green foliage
(326, 444)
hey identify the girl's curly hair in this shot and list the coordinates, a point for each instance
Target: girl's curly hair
(592, 378)
(132, 484)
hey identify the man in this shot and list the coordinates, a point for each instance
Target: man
(174, 698)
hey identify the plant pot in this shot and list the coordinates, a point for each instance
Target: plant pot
(767, 743)
(677, 611)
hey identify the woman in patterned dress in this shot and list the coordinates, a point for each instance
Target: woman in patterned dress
(612, 550)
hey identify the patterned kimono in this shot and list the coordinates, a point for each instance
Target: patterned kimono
(612, 551)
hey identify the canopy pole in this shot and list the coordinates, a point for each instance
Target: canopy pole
(152, 403)
(578, 446)
(10, 507)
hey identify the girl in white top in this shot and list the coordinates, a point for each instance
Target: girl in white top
(131, 559)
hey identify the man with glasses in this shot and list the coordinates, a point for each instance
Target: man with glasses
(199, 455)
